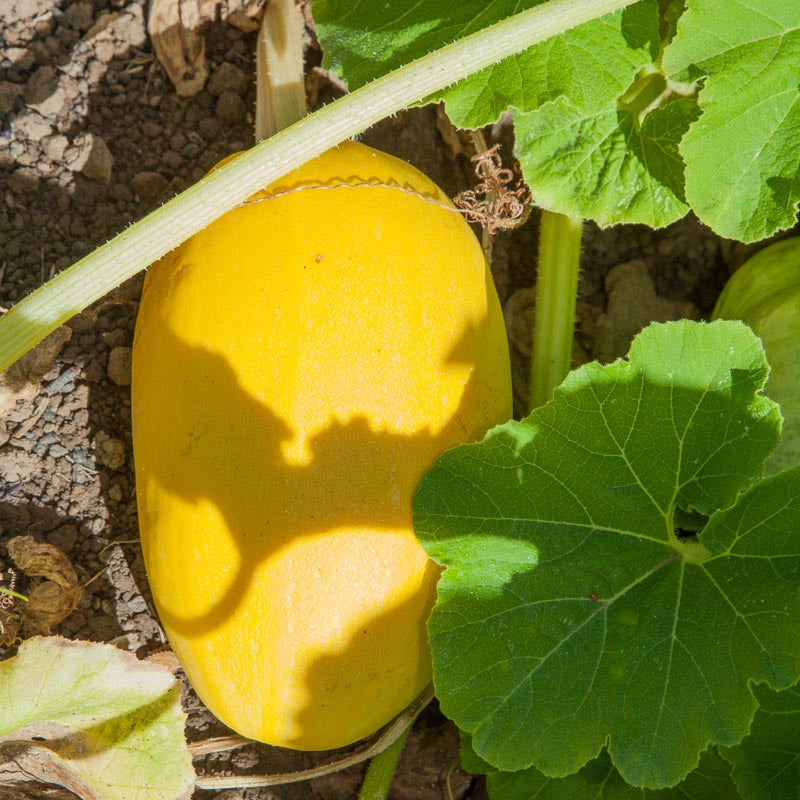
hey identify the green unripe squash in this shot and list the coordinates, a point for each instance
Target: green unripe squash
(765, 293)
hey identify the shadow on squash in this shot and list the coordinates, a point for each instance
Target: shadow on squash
(220, 444)
(261, 544)
(334, 683)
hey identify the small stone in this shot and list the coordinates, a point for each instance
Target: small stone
(152, 129)
(172, 159)
(119, 366)
(55, 147)
(79, 15)
(148, 186)
(129, 27)
(115, 338)
(227, 77)
(231, 109)
(137, 604)
(9, 92)
(33, 126)
(110, 452)
(177, 141)
(90, 156)
(41, 85)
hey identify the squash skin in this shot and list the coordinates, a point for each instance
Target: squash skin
(297, 366)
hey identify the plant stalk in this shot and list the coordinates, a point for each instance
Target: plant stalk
(556, 295)
(378, 780)
(280, 82)
(73, 289)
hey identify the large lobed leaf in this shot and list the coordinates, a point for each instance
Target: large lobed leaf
(570, 614)
(599, 780)
(583, 151)
(94, 719)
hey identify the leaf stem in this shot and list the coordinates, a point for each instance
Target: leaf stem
(30, 320)
(556, 294)
(11, 593)
(378, 780)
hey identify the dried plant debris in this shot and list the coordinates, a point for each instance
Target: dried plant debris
(500, 201)
(10, 622)
(174, 30)
(242, 14)
(50, 600)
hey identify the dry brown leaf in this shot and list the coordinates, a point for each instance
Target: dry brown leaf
(174, 29)
(52, 600)
(21, 381)
(42, 560)
(48, 604)
(10, 624)
(22, 761)
(242, 14)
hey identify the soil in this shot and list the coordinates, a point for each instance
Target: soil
(92, 137)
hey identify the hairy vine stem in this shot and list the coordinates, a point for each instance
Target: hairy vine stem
(73, 289)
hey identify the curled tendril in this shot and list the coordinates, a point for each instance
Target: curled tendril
(495, 202)
(7, 600)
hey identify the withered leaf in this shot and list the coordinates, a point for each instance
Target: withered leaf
(52, 600)
(93, 719)
(48, 604)
(42, 560)
(174, 30)
(242, 14)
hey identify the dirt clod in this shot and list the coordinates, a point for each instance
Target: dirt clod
(148, 186)
(230, 108)
(119, 366)
(110, 452)
(89, 155)
(227, 77)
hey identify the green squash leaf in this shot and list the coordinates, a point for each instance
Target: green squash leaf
(766, 764)
(590, 65)
(598, 780)
(743, 154)
(572, 613)
(578, 159)
(94, 719)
